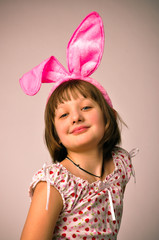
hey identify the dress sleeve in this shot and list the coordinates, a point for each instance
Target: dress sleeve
(126, 162)
(54, 176)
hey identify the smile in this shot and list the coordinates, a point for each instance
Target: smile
(79, 130)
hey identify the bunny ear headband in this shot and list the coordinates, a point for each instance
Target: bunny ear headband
(84, 53)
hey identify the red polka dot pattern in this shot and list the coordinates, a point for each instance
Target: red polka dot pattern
(87, 212)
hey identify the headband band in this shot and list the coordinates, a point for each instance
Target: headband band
(84, 53)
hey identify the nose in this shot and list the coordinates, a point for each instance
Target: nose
(76, 116)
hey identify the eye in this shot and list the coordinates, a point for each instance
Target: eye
(86, 107)
(64, 115)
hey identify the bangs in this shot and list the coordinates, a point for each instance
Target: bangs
(70, 89)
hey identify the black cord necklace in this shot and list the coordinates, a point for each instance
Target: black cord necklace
(77, 165)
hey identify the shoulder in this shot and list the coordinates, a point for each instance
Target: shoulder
(120, 152)
(121, 155)
(123, 162)
(40, 194)
(57, 176)
(52, 173)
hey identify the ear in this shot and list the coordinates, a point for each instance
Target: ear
(85, 48)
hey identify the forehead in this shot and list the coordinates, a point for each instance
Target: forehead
(71, 94)
(79, 100)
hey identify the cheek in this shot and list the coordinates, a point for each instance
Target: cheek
(98, 119)
(61, 130)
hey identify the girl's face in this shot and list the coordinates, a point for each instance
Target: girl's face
(79, 124)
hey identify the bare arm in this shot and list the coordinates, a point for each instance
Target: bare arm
(40, 223)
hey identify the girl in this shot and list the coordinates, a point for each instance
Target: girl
(80, 195)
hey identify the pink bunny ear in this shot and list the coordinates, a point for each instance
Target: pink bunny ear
(30, 82)
(85, 48)
(48, 71)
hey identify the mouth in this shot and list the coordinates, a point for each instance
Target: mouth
(80, 129)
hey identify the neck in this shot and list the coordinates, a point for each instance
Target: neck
(91, 161)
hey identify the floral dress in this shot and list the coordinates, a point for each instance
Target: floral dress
(90, 210)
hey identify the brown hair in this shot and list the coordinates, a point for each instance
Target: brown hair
(62, 93)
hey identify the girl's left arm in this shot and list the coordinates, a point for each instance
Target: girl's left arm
(40, 223)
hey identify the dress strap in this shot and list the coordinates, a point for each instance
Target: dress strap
(132, 154)
(46, 172)
(111, 205)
